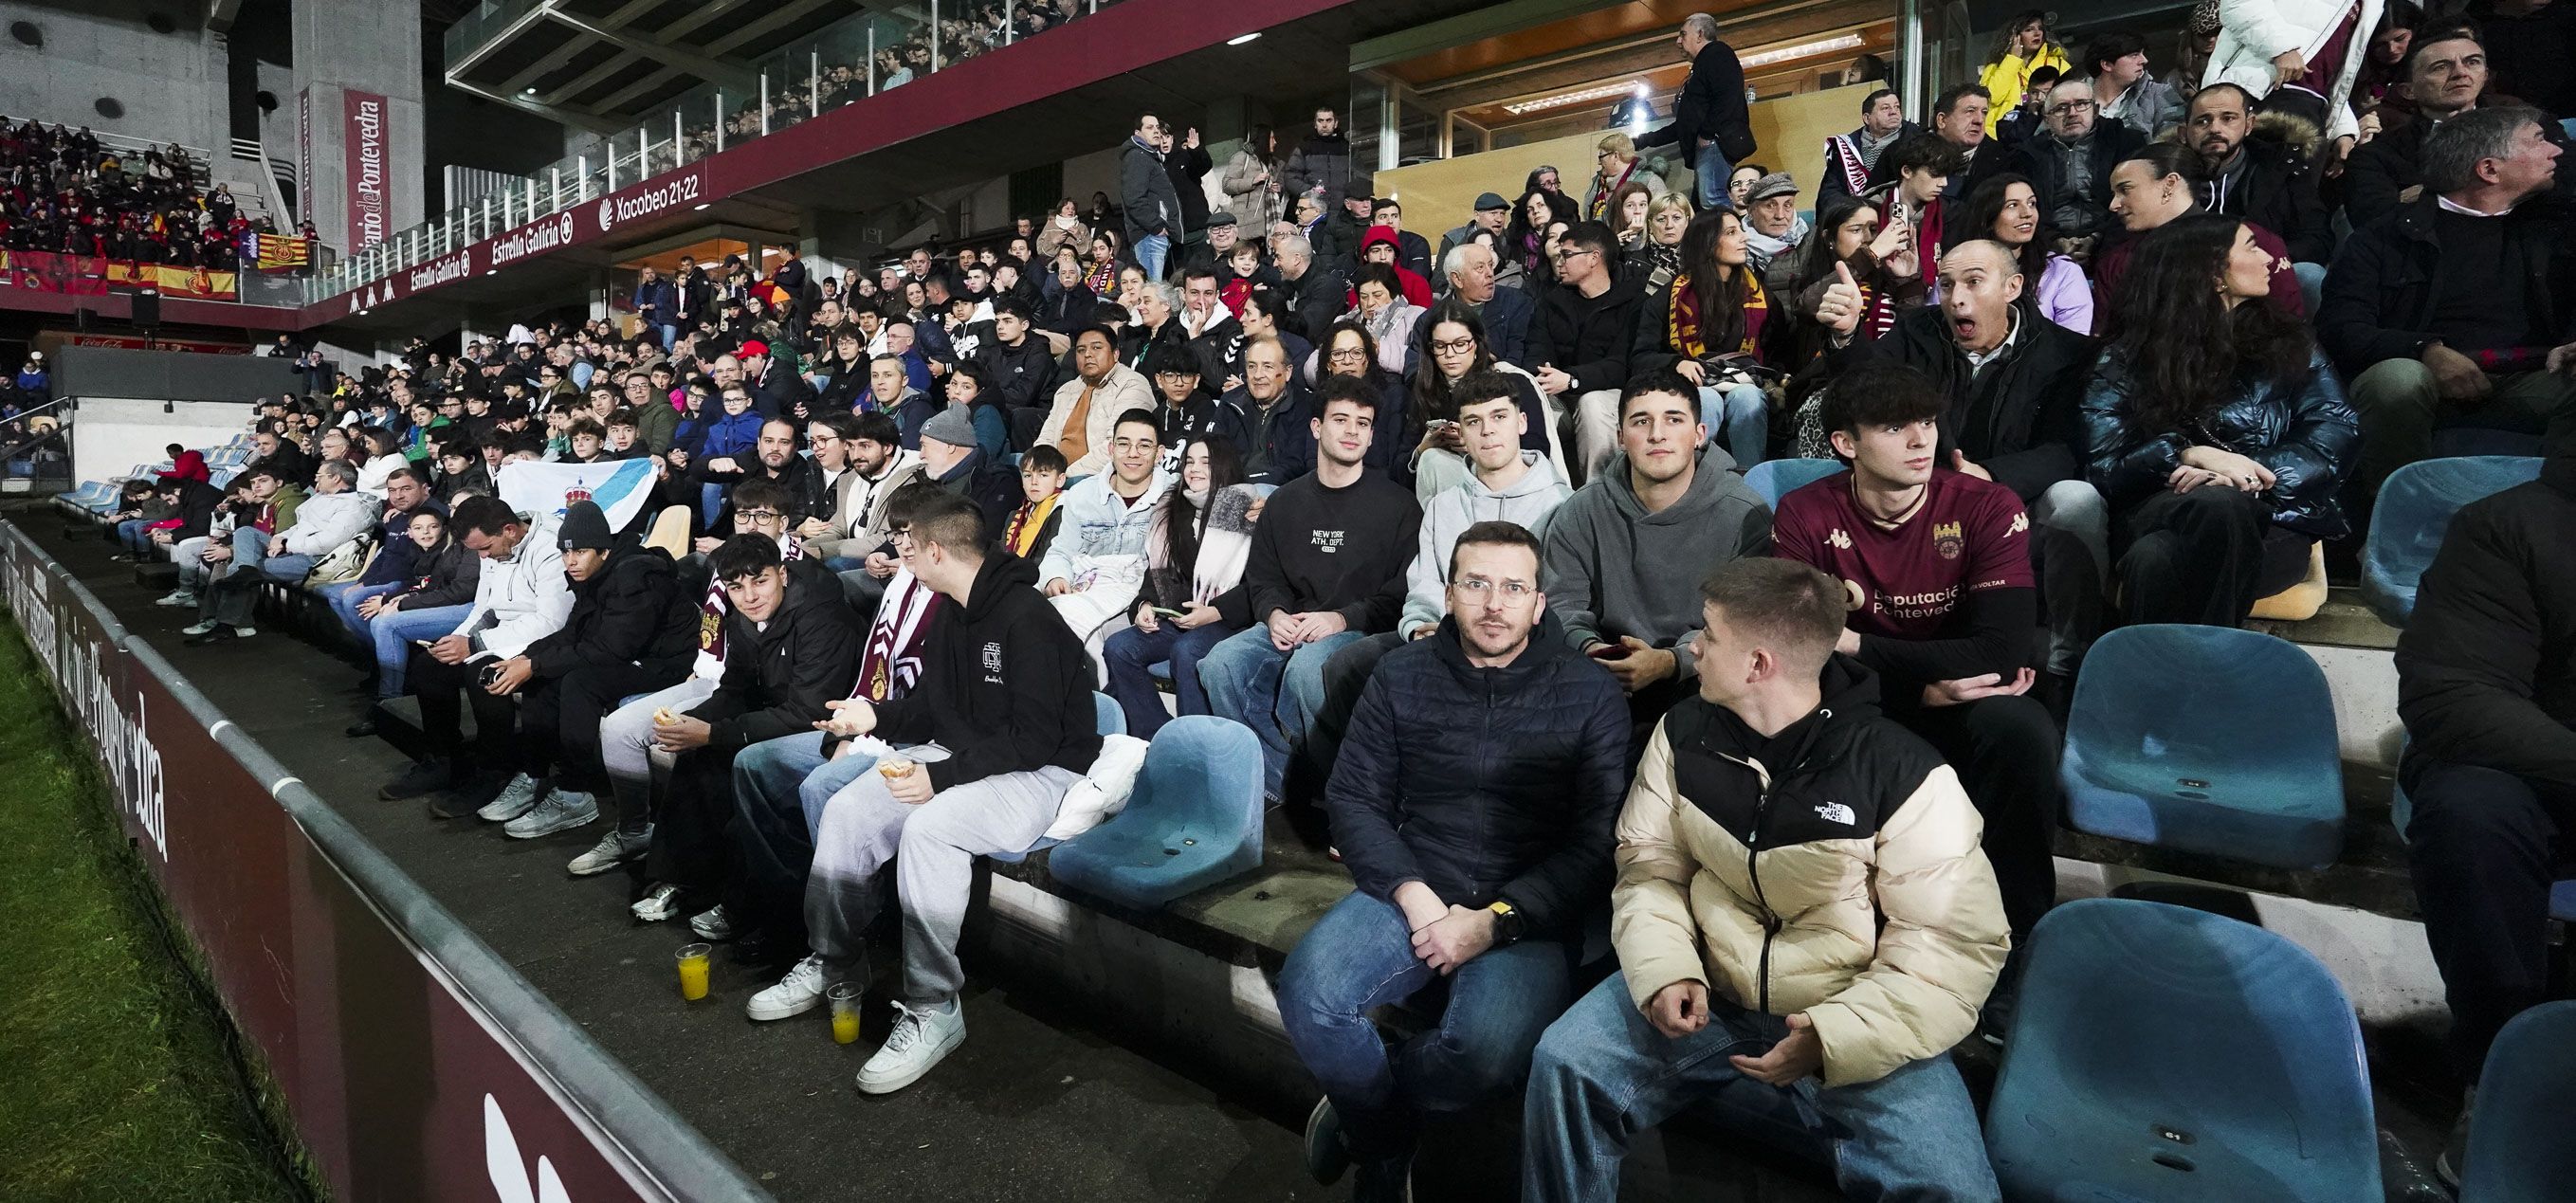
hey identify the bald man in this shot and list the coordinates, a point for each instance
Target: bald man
(2015, 381)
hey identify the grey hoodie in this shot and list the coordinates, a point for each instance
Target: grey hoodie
(1527, 502)
(1613, 569)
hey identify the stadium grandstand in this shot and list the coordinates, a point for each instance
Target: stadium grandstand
(684, 601)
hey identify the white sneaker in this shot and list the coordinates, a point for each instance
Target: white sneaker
(244, 632)
(613, 849)
(197, 628)
(562, 810)
(177, 597)
(922, 1038)
(517, 798)
(795, 994)
(712, 924)
(659, 903)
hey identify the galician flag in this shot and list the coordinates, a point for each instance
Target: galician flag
(541, 491)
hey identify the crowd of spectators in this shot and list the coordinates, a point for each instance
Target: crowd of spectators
(966, 28)
(62, 191)
(1461, 530)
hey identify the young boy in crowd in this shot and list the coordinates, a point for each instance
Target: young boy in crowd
(1032, 527)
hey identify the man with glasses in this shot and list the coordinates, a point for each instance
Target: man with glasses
(1580, 338)
(1473, 804)
(1509, 484)
(2069, 166)
(655, 421)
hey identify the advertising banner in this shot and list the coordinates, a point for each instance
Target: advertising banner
(368, 135)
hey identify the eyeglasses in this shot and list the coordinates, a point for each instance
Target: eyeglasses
(1454, 346)
(756, 515)
(1479, 588)
(1349, 353)
(2072, 106)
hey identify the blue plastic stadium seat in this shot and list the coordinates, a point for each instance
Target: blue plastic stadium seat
(1777, 478)
(1110, 719)
(2414, 511)
(1194, 820)
(2206, 739)
(2518, 1146)
(2163, 1053)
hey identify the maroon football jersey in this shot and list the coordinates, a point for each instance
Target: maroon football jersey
(1909, 581)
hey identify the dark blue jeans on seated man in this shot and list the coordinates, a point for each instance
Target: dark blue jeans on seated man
(1131, 655)
(1604, 1073)
(1358, 958)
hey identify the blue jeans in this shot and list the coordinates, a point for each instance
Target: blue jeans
(1358, 958)
(1273, 692)
(345, 596)
(1133, 652)
(711, 504)
(1740, 417)
(130, 535)
(393, 634)
(779, 788)
(1711, 177)
(1150, 251)
(1603, 1072)
(767, 773)
(841, 564)
(2312, 284)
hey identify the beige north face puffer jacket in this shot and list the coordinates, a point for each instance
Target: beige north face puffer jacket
(1845, 882)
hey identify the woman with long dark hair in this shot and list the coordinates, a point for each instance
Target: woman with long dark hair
(1193, 595)
(1709, 325)
(2006, 209)
(1431, 449)
(2215, 430)
(1525, 239)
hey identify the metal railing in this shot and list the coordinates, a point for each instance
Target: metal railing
(843, 63)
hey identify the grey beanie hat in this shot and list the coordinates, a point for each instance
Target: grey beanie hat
(950, 426)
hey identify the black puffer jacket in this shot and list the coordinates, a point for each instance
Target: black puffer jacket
(633, 612)
(1485, 783)
(2306, 434)
(2486, 670)
(776, 680)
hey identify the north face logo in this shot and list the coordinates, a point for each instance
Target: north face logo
(1835, 812)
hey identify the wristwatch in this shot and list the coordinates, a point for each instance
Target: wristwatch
(1507, 923)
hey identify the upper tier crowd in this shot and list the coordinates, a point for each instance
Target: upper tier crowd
(61, 191)
(1459, 522)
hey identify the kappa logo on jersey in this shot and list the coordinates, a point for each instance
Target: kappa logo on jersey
(1947, 541)
(1836, 812)
(2020, 523)
(1840, 538)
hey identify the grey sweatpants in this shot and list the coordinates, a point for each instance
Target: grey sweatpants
(933, 847)
(626, 735)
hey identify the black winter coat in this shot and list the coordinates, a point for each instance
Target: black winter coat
(2380, 294)
(777, 680)
(2486, 668)
(2018, 417)
(2277, 190)
(1586, 337)
(1485, 783)
(1005, 685)
(634, 612)
(2038, 161)
(1024, 375)
(1710, 105)
(446, 576)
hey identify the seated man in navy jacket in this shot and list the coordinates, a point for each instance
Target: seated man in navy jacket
(1472, 802)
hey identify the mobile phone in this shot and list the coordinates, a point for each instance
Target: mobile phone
(1168, 612)
(423, 643)
(1606, 651)
(491, 673)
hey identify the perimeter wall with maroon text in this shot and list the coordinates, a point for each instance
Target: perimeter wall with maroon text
(416, 1064)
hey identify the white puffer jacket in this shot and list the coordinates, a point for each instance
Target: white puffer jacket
(2253, 32)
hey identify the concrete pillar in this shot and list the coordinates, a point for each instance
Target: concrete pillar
(358, 80)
